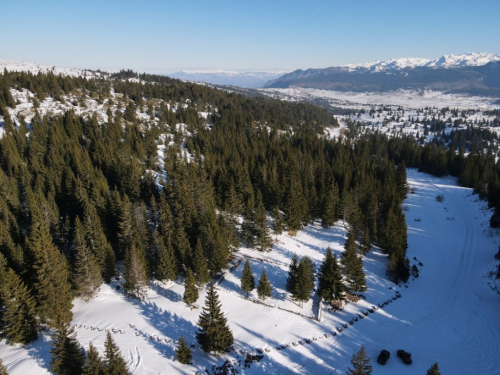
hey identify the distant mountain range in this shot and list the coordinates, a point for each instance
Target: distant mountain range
(223, 77)
(472, 73)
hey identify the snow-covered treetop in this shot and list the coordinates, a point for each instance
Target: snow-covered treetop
(22, 66)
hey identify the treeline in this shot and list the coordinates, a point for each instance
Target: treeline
(478, 170)
(77, 197)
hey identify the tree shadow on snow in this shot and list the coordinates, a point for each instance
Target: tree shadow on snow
(167, 293)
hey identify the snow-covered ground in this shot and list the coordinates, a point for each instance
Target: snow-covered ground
(23, 66)
(403, 98)
(448, 314)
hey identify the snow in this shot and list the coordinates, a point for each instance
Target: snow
(404, 98)
(447, 315)
(21, 66)
(446, 61)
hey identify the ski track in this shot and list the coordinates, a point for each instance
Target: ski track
(453, 287)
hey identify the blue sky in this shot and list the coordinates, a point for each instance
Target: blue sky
(163, 36)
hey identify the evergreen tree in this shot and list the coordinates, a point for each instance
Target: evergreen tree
(305, 280)
(200, 264)
(87, 275)
(329, 206)
(98, 244)
(19, 316)
(51, 286)
(214, 334)
(264, 287)
(180, 243)
(93, 364)
(295, 203)
(434, 370)
(361, 363)
(366, 244)
(292, 277)
(247, 229)
(330, 285)
(350, 256)
(113, 359)
(261, 230)
(68, 356)
(247, 279)
(278, 223)
(183, 352)
(3, 369)
(190, 291)
(357, 283)
(166, 265)
(135, 276)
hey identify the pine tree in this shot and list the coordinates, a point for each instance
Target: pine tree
(330, 285)
(247, 229)
(135, 276)
(278, 223)
(361, 363)
(50, 271)
(113, 359)
(295, 203)
(200, 264)
(261, 229)
(434, 370)
(19, 316)
(87, 275)
(247, 279)
(350, 256)
(214, 334)
(180, 243)
(292, 277)
(98, 243)
(93, 364)
(190, 291)
(3, 275)
(366, 244)
(305, 280)
(329, 206)
(264, 287)
(3, 369)
(68, 356)
(166, 265)
(357, 283)
(183, 352)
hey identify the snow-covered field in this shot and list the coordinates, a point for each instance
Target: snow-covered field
(447, 315)
(403, 98)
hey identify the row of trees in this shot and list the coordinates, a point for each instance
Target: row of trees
(248, 283)
(332, 276)
(69, 358)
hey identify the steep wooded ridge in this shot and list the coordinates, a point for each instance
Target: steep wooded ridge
(465, 77)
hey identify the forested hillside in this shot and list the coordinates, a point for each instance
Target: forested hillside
(86, 198)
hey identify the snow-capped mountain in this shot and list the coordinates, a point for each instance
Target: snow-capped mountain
(471, 73)
(225, 77)
(446, 61)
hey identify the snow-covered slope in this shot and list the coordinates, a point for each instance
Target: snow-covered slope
(446, 315)
(21, 66)
(446, 61)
